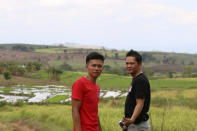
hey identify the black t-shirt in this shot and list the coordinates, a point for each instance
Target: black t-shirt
(140, 88)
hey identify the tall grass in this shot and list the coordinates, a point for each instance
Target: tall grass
(58, 117)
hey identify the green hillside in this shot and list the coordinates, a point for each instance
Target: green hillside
(168, 64)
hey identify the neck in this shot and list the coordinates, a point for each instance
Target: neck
(91, 79)
(136, 74)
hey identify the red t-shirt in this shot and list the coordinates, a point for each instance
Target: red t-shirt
(88, 93)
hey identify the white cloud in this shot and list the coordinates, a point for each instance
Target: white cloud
(157, 13)
(113, 10)
(52, 2)
(107, 21)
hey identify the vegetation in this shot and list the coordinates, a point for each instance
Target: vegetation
(7, 75)
(23, 47)
(161, 63)
(173, 105)
(53, 73)
(33, 66)
(173, 91)
(58, 117)
(57, 99)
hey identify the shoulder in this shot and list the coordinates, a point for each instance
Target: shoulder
(141, 79)
(80, 80)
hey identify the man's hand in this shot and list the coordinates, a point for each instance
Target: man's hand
(128, 121)
(137, 111)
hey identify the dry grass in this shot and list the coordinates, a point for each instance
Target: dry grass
(166, 94)
(191, 93)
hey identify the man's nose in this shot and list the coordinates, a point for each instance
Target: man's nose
(129, 65)
(97, 67)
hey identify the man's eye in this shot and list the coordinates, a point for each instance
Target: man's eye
(99, 66)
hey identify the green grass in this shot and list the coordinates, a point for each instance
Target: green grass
(49, 118)
(50, 50)
(57, 99)
(173, 105)
(117, 82)
(175, 119)
(58, 117)
(173, 83)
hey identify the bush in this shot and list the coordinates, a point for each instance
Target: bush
(7, 75)
(2, 103)
(66, 66)
(19, 103)
(53, 73)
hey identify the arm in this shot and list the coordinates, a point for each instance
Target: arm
(76, 104)
(100, 129)
(137, 111)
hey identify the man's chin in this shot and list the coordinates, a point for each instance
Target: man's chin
(130, 72)
(96, 76)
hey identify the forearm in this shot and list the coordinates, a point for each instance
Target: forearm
(76, 120)
(137, 111)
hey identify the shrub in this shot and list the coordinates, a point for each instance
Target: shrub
(7, 75)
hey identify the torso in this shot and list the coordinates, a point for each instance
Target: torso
(139, 88)
(89, 105)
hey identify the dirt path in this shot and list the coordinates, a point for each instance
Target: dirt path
(18, 126)
(21, 127)
(5, 127)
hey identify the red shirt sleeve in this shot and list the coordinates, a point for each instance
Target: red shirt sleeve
(77, 90)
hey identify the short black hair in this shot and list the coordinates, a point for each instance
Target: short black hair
(135, 54)
(94, 55)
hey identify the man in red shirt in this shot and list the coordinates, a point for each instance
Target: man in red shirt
(85, 96)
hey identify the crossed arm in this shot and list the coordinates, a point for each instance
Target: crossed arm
(137, 111)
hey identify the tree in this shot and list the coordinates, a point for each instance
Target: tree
(191, 63)
(33, 66)
(188, 71)
(116, 55)
(20, 71)
(148, 72)
(169, 74)
(29, 67)
(21, 48)
(66, 66)
(7, 75)
(147, 57)
(37, 66)
(53, 73)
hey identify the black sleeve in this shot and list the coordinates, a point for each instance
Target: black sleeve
(141, 88)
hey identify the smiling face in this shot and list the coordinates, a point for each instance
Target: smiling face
(132, 66)
(94, 68)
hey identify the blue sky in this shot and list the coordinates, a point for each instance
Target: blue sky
(145, 25)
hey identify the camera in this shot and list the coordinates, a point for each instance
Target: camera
(121, 123)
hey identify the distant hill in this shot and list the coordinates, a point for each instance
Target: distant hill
(57, 55)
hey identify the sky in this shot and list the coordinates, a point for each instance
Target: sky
(144, 25)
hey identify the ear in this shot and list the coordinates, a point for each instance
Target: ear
(140, 64)
(86, 66)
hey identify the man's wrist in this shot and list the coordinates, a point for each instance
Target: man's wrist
(131, 121)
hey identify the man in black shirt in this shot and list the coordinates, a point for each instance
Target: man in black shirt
(138, 98)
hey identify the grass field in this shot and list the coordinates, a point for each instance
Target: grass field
(58, 117)
(116, 82)
(173, 105)
(57, 99)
